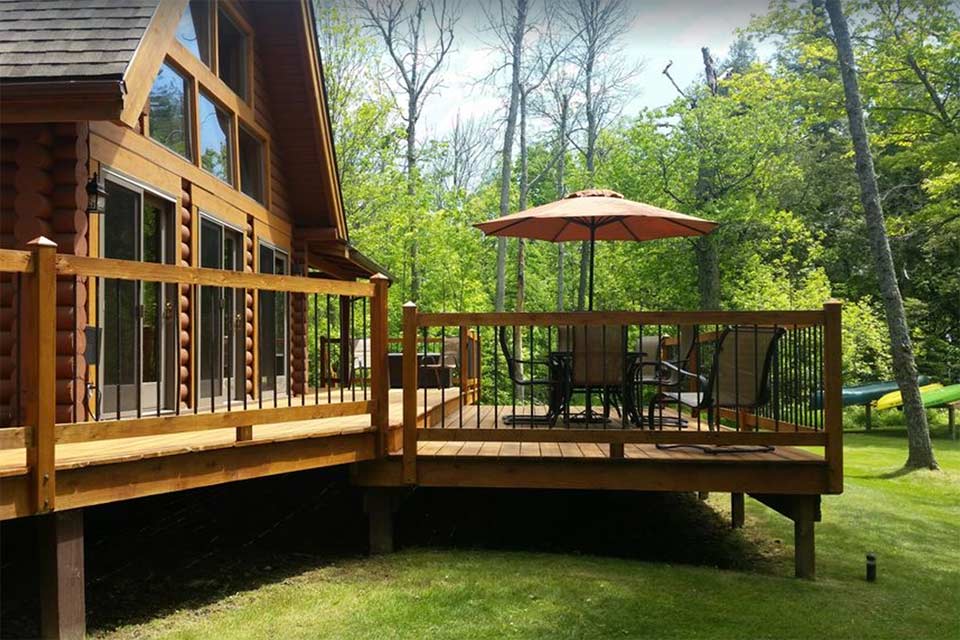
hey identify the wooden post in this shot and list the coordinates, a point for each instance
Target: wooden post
(832, 391)
(804, 547)
(62, 604)
(736, 510)
(379, 505)
(379, 366)
(410, 393)
(616, 449)
(40, 375)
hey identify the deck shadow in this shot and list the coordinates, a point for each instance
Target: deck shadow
(658, 527)
(149, 557)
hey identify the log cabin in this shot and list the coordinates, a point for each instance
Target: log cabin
(177, 280)
(209, 144)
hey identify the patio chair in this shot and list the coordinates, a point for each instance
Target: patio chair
(443, 367)
(557, 382)
(362, 360)
(598, 359)
(662, 371)
(739, 376)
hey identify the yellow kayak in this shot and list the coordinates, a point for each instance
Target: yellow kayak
(893, 398)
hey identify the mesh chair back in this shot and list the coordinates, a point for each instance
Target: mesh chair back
(741, 366)
(361, 353)
(598, 354)
(651, 348)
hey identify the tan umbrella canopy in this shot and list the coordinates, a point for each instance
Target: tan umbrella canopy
(596, 214)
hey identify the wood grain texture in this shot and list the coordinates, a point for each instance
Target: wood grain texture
(13, 261)
(154, 272)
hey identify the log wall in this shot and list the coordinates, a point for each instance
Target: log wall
(43, 193)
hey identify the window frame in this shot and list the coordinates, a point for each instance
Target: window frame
(232, 141)
(241, 25)
(189, 102)
(264, 162)
(201, 78)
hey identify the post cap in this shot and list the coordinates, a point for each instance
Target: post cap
(410, 304)
(41, 241)
(379, 276)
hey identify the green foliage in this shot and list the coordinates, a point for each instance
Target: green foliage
(768, 157)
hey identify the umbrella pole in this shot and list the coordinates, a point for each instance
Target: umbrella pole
(593, 240)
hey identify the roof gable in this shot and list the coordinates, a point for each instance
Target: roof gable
(71, 39)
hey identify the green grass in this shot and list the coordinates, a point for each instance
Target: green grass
(912, 522)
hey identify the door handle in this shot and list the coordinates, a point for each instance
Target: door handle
(168, 310)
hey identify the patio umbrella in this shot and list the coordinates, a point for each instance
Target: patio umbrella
(596, 214)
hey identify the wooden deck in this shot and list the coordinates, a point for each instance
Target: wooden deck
(115, 469)
(485, 452)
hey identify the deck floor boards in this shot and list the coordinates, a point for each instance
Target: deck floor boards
(591, 450)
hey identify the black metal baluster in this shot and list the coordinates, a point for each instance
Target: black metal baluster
(197, 369)
(231, 327)
(517, 361)
(157, 350)
(660, 402)
(327, 365)
(532, 371)
(736, 374)
(441, 370)
(316, 350)
(464, 385)
(367, 344)
(119, 349)
(419, 377)
(137, 347)
(18, 387)
(353, 356)
(496, 378)
(217, 355)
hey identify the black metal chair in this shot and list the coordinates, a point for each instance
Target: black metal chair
(557, 382)
(739, 376)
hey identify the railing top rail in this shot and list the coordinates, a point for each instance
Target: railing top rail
(153, 272)
(594, 318)
(13, 261)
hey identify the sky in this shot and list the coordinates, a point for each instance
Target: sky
(661, 31)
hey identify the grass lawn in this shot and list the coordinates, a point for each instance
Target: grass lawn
(912, 522)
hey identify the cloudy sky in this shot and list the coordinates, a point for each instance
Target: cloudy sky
(661, 31)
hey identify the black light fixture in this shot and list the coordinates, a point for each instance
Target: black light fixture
(96, 194)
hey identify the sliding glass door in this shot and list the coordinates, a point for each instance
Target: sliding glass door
(138, 347)
(221, 322)
(274, 327)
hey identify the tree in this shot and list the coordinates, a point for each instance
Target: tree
(418, 36)
(904, 367)
(599, 25)
(510, 28)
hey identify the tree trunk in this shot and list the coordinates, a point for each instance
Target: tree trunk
(506, 157)
(411, 190)
(522, 203)
(590, 109)
(708, 272)
(904, 367)
(561, 187)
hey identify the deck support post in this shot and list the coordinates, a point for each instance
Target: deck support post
(804, 547)
(62, 605)
(380, 505)
(616, 449)
(736, 510)
(703, 495)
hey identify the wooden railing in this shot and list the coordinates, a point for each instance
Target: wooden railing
(52, 375)
(630, 392)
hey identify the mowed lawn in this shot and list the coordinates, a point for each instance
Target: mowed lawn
(911, 521)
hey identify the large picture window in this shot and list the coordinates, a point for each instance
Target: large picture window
(251, 165)
(216, 139)
(232, 54)
(193, 32)
(170, 111)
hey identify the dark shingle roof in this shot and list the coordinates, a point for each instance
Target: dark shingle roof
(70, 39)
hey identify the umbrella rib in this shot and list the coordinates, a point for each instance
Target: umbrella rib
(686, 226)
(512, 223)
(629, 230)
(562, 229)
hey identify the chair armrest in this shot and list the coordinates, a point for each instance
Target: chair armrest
(683, 372)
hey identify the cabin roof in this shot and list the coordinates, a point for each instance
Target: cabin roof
(70, 39)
